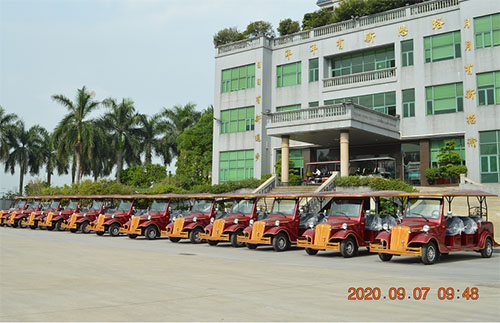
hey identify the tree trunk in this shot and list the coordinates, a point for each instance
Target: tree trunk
(49, 175)
(119, 165)
(21, 179)
(148, 157)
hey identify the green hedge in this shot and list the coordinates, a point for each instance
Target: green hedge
(377, 183)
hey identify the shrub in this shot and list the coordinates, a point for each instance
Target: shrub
(288, 26)
(433, 174)
(377, 183)
(295, 180)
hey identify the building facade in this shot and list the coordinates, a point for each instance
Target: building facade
(393, 86)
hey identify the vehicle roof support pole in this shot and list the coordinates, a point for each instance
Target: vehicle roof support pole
(344, 153)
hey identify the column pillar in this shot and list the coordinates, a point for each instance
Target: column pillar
(344, 153)
(285, 156)
(425, 160)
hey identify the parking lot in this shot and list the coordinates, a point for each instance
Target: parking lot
(60, 276)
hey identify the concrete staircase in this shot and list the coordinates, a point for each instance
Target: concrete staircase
(268, 203)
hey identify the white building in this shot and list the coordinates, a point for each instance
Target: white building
(417, 76)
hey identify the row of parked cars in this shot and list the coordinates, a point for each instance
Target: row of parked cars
(386, 222)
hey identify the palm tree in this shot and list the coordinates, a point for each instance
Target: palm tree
(120, 122)
(103, 159)
(6, 124)
(74, 132)
(178, 119)
(25, 151)
(50, 159)
(150, 130)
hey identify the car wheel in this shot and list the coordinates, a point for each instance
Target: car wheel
(174, 239)
(21, 225)
(151, 232)
(99, 233)
(281, 242)
(33, 227)
(59, 225)
(114, 229)
(234, 238)
(430, 253)
(348, 247)
(212, 242)
(385, 256)
(16, 224)
(72, 230)
(132, 236)
(487, 251)
(194, 235)
(84, 227)
(311, 252)
(251, 246)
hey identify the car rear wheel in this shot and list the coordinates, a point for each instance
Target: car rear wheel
(114, 229)
(21, 225)
(234, 238)
(84, 227)
(430, 253)
(59, 225)
(16, 224)
(151, 232)
(194, 235)
(311, 252)
(487, 251)
(174, 239)
(385, 256)
(281, 242)
(348, 247)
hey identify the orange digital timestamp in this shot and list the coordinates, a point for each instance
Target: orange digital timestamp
(417, 293)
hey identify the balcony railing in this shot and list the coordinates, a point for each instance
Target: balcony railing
(343, 26)
(360, 77)
(310, 113)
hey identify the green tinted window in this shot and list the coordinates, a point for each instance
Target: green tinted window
(488, 88)
(408, 103)
(407, 52)
(445, 98)
(487, 31)
(313, 70)
(238, 78)
(362, 62)
(383, 102)
(489, 148)
(289, 74)
(238, 120)
(442, 46)
(236, 165)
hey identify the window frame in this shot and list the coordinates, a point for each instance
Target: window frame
(430, 103)
(238, 78)
(429, 48)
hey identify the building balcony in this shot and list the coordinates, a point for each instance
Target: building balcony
(387, 74)
(322, 125)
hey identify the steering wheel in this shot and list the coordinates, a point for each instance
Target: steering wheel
(435, 214)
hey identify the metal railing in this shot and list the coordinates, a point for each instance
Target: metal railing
(360, 77)
(267, 186)
(314, 204)
(310, 113)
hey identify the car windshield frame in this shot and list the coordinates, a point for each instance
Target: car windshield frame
(343, 211)
(158, 206)
(286, 209)
(247, 208)
(95, 205)
(124, 206)
(72, 204)
(202, 206)
(435, 205)
(54, 204)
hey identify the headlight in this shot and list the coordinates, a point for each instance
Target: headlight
(84, 214)
(251, 222)
(113, 216)
(236, 221)
(344, 226)
(385, 226)
(173, 219)
(149, 217)
(195, 219)
(277, 223)
(212, 220)
(311, 223)
(42, 213)
(60, 213)
(426, 228)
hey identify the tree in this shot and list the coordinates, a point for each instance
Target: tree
(288, 26)
(318, 18)
(259, 28)
(49, 155)
(121, 124)
(150, 132)
(25, 151)
(103, 159)
(6, 125)
(226, 36)
(143, 175)
(175, 121)
(194, 163)
(74, 133)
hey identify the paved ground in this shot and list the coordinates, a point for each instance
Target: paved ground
(60, 276)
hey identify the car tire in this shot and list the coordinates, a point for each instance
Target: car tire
(430, 253)
(349, 247)
(84, 227)
(58, 225)
(174, 239)
(73, 230)
(487, 251)
(15, 224)
(385, 256)
(21, 225)
(311, 252)
(212, 242)
(33, 227)
(251, 246)
(281, 242)
(234, 239)
(151, 232)
(194, 235)
(114, 229)
(132, 236)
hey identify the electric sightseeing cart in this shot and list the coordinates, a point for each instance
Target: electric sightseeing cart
(428, 230)
(17, 217)
(350, 224)
(285, 223)
(191, 225)
(230, 225)
(51, 204)
(20, 203)
(153, 222)
(55, 220)
(113, 220)
(80, 221)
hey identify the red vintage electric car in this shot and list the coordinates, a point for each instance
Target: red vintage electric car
(350, 223)
(18, 205)
(55, 220)
(17, 217)
(81, 220)
(113, 220)
(428, 230)
(153, 222)
(52, 205)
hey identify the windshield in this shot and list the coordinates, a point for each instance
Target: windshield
(19, 204)
(54, 204)
(242, 207)
(72, 205)
(124, 205)
(423, 208)
(95, 206)
(284, 207)
(158, 206)
(32, 204)
(348, 208)
(202, 206)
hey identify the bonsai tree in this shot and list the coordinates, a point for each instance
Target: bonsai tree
(450, 164)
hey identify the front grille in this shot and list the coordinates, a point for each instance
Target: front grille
(322, 234)
(218, 228)
(399, 238)
(134, 223)
(178, 225)
(258, 230)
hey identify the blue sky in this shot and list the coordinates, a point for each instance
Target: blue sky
(158, 53)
